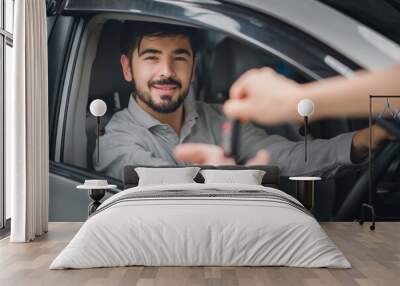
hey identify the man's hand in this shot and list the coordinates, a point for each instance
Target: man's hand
(360, 143)
(206, 154)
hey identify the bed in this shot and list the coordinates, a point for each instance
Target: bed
(202, 222)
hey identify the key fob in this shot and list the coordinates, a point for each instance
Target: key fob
(231, 138)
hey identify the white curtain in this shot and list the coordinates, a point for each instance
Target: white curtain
(27, 164)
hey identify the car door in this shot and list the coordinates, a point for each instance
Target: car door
(271, 29)
(65, 202)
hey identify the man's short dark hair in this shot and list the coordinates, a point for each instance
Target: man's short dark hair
(134, 31)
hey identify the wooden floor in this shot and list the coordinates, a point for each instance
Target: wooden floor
(375, 256)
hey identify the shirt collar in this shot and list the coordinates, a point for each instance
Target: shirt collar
(144, 119)
(148, 121)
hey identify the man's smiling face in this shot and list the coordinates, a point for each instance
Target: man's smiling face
(162, 68)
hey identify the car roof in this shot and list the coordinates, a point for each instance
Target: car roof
(351, 38)
(382, 16)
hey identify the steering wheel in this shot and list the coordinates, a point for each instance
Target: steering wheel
(381, 162)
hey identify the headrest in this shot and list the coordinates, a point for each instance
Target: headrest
(230, 60)
(106, 77)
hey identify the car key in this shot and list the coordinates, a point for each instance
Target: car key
(231, 138)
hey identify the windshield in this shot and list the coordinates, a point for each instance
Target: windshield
(381, 15)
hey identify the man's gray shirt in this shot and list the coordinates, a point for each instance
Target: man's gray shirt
(134, 137)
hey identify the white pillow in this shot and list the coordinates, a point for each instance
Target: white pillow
(165, 176)
(248, 177)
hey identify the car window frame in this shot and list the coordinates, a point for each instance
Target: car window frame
(241, 35)
(59, 51)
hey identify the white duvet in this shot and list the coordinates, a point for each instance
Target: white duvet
(183, 231)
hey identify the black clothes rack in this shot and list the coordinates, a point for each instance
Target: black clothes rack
(389, 119)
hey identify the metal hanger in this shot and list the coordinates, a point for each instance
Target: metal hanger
(389, 111)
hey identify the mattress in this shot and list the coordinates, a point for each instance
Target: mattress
(201, 225)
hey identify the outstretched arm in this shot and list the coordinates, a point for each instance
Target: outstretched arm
(263, 96)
